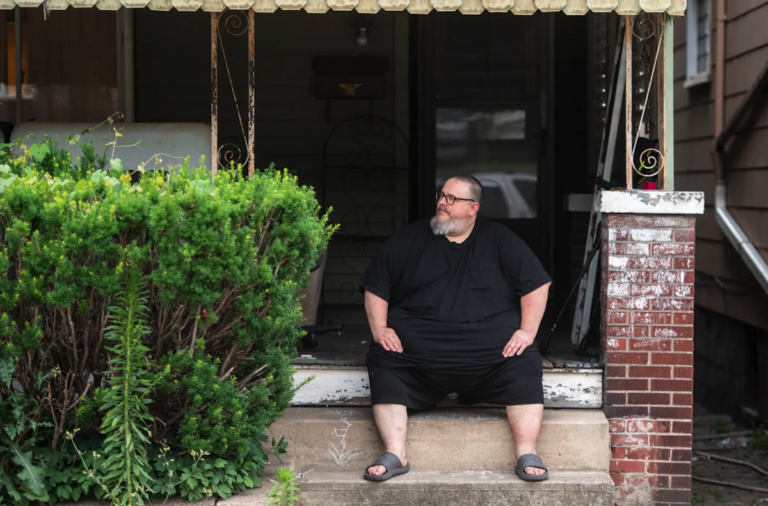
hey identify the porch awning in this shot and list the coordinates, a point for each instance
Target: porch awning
(525, 7)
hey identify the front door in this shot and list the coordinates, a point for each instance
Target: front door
(481, 96)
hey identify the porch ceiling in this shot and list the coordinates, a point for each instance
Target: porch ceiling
(525, 7)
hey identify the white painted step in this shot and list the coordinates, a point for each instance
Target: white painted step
(444, 439)
(348, 386)
(444, 488)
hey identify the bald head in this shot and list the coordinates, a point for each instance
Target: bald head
(474, 188)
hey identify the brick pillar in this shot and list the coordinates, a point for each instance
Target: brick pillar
(647, 341)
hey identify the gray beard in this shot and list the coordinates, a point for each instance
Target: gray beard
(444, 227)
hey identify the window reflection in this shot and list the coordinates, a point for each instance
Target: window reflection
(493, 146)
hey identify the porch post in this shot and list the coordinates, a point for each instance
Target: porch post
(668, 109)
(646, 328)
(214, 94)
(628, 31)
(251, 91)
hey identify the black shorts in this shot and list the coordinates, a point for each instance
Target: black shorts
(511, 382)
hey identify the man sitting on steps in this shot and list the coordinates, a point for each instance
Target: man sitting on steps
(454, 305)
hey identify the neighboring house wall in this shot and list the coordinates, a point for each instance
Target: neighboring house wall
(732, 306)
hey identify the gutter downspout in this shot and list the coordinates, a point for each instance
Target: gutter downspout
(725, 219)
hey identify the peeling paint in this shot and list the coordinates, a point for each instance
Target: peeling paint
(651, 202)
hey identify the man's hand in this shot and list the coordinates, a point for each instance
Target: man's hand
(519, 342)
(388, 339)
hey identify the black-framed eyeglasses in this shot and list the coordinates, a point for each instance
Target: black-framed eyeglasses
(450, 199)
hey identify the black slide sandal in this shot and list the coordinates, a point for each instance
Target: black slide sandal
(531, 460)
(391, 463)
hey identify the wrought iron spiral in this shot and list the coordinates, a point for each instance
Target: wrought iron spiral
(655, 160)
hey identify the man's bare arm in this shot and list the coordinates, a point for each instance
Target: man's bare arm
(376, 309)
(532, 308)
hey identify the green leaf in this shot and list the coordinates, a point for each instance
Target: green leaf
(31, 475)
(39, 151)
(6, 370)
(248, 482)
(116, 164)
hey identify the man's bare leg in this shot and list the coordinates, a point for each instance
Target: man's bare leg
(525, 421)
(392, 422)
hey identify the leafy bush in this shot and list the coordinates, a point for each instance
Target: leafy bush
(222, 262)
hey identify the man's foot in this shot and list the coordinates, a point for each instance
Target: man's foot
(534, 470)
(380, 470)
(530, 468)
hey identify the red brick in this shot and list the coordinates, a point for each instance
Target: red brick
(628, 466)
(682, 345)
(629, 440)
(626, 358)
(617, 317)
(682, 399)
(666, 304)
(624, 411)
(683, 319)
(682, 427)
(626, 384)
(629, 303)
(684, 412)
(626, 331)
(669, 441)
(673, 249)
(671, 495)
(650, 372)
(618, 453)
(617, 425)
(684, 235)
(659, 481)
(615, 398)
(671, 385)
(636, 480)
(613, 343)
(650, 317)
(644, 426)
(676, 358)
(645, 263)
(669, 468)
(656, 290)
(640, 453)
(618, 478)
(615, 371)
(684, 263)
(680, 481)
(629, 248)
(668, 277)
(650, 345)
(628, 277)
(683, 372)
(681, 455)
(674, 221)
(648, 398)
(675, 332)
(628, 220)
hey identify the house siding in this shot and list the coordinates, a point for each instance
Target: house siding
(724, 284)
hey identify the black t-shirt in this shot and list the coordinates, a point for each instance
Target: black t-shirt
(452, 305)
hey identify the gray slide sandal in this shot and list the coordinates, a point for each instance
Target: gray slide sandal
(531, 460)
(392, 464)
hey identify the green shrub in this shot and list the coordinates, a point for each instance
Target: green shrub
(222, 260)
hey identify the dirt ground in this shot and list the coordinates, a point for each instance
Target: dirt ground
(747, 448)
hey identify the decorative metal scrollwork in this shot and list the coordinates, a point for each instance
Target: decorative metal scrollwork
(230, 153)
(646, 27)
(235, 23)
(655, 160)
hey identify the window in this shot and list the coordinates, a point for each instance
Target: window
(697, 51)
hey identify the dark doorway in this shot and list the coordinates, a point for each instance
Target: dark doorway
(481, 92)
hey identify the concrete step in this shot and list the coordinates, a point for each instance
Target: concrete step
(575, 388)
(446, 488)
(451, 439)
